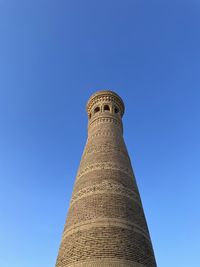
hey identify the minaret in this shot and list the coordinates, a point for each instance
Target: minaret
(106, 225)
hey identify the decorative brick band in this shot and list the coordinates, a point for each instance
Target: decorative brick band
(104, 165)
(102, 242)
(105, 206)
(107, 263)
(105, 148)
(107, 133)
(105, 222)
(100, 120)
(112, 176)
(105, 187)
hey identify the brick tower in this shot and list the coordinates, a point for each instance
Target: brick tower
(106, 225)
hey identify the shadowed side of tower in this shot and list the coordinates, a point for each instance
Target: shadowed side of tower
(105, 224)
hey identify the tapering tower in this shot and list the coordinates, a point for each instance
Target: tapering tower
(105, 225)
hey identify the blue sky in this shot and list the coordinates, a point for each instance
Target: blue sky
(53, 56)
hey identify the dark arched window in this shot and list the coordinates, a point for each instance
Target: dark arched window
(90, 116)
(106, 108)
(116, 110)
(97, 109)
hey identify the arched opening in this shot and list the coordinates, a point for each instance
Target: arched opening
(116, 110)
(90, 116)
(106, 108)
(97, 109)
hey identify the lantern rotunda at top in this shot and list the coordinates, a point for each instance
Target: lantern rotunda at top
(105, 101)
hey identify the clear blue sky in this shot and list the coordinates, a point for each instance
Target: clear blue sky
(53, 55)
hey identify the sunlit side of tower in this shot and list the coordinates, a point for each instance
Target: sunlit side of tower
(106, 225)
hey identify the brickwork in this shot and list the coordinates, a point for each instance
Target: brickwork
(105, 225)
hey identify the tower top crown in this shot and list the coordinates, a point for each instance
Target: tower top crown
(105, 97)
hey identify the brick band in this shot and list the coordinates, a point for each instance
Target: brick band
(106, 242)
(105, 187)
(104, 166)
(105, 222)
(107, 263)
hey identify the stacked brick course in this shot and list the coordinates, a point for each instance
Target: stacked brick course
(106, 224)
